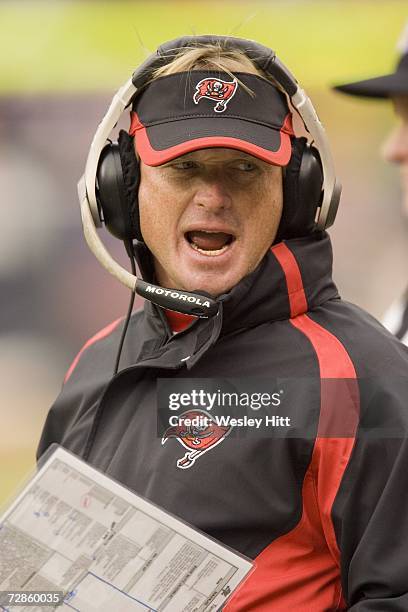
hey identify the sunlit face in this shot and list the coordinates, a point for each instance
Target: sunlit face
(395, 148)
(209, 217)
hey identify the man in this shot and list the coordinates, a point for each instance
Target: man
(321, 507)
(395, 88)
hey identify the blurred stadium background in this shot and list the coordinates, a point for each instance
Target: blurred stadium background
(60, 63)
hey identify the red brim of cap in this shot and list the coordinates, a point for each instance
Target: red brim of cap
(159, 144)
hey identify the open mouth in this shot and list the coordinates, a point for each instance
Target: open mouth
(209, 243)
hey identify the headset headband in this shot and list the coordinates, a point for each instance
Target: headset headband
(267, 61)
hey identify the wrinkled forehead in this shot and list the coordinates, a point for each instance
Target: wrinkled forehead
(218, 155)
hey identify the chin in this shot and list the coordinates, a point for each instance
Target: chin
(214, 289)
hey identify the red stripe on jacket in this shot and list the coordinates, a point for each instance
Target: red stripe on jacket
(301, 569)
(296, 292)
(99, 336)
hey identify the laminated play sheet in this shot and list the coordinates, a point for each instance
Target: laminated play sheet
(74, 539)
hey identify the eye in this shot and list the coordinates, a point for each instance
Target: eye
(186, 164)
(246, 166)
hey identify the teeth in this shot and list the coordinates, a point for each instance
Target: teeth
(209, 253)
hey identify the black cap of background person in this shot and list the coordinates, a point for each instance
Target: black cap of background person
(387, 85)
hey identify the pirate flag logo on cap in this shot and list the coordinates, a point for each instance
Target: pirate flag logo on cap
(198, 432)
(217, 90)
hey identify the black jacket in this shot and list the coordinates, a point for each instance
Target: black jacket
(325, 515)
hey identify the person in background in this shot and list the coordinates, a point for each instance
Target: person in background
(392, 87)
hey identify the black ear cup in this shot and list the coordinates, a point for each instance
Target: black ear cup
(131, 179)
(302, 191)
(118, 178)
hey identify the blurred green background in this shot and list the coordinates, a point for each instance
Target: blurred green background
(61, 46)
(60, 63)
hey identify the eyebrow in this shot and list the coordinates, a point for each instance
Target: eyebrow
(190, 156)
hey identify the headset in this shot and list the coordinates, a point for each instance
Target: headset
(108, 189)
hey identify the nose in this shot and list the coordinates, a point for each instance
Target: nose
(213, 195)
(395, 148)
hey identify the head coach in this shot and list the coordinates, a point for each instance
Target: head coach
(225, 210)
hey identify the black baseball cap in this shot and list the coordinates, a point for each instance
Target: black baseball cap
(387, 85)
(187, 111)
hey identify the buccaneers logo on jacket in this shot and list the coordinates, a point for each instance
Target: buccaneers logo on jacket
(216, 90)
(198, 432)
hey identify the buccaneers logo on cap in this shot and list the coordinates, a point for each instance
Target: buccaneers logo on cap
(198, 432)
(216, 90)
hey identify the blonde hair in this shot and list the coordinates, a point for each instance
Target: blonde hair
(212, 57)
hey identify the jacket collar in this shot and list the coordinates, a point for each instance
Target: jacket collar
(293, 277)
